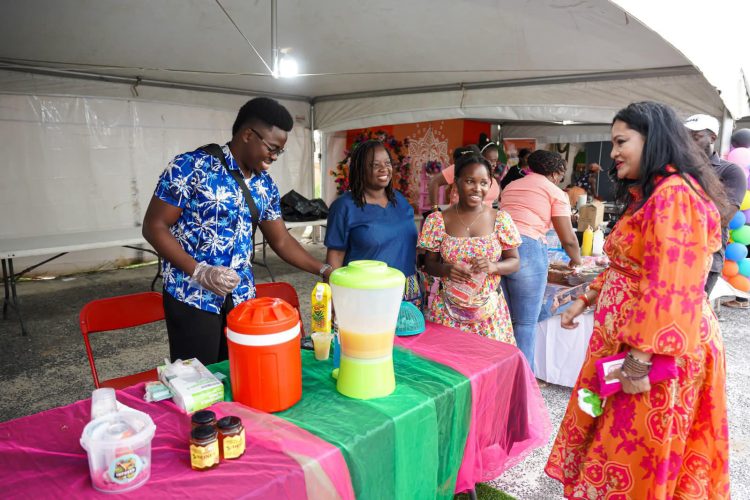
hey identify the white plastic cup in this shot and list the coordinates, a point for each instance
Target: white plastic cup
(103, 402)
(582, 200)
(321, 345)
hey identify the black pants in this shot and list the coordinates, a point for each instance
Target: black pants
(194, 333)
(713, 277)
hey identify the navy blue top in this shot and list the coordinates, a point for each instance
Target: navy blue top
(373, 232)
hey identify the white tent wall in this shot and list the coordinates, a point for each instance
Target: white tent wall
(588, 102)
(81, 155)
(560, 134)
(584, 102)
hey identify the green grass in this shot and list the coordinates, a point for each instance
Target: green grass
(486, 492)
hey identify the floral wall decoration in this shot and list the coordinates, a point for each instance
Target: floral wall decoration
(399, 155)
(433, 167)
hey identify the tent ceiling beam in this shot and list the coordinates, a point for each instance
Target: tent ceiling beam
(524, 82)
(129, 80)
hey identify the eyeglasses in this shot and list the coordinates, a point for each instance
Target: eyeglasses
(271, 150)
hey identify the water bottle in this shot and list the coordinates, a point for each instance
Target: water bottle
(597, 246)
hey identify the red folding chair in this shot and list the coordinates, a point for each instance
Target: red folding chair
(116, 313)
(281, 290)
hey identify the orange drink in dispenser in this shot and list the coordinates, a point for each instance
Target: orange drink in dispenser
(366, 297)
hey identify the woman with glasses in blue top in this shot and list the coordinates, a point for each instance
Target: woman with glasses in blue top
(373, 221)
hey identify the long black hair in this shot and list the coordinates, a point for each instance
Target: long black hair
(360, 162)
(666, 141)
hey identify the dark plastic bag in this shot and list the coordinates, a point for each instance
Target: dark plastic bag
(322, 207)
(297, 208)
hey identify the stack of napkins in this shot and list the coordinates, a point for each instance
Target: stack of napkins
(193, 386)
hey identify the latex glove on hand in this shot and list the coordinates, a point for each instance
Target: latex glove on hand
(220, 280)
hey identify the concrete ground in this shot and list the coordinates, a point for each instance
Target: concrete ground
(49, 367)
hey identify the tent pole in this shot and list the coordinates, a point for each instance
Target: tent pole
(274, 39)
(312, 153)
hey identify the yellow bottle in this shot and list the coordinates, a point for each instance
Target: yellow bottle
(588, 242)
(321, 308)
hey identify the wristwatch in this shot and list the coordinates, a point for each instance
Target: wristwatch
(323, 269)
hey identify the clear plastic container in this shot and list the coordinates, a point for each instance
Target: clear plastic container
(119, 450)
(367, 308)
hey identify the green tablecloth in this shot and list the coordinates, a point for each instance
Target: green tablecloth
(407, 445)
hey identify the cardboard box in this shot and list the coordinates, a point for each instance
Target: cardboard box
(591, 215)
(193, 386)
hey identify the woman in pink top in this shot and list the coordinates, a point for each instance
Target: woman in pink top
(536, 204)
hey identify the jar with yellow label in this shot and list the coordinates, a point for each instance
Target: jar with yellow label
(204, 448)
(203, 417)
(231, 437)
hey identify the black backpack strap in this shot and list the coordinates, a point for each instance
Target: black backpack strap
(216, 151)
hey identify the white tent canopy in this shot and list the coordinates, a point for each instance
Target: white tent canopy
(473, 50)
(165, 76)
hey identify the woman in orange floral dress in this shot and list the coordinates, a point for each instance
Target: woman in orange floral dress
(669, 439)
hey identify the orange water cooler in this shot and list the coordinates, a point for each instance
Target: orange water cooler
(265, 365)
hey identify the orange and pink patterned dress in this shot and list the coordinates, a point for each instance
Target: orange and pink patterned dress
(453, 249)
(670, 442)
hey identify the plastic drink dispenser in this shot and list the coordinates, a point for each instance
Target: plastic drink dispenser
(366, 297)
(265, 365)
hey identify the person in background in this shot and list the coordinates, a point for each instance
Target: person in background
(488, 150)
(518, 171)
(200, 224)
(373, 221)
(536, 204)
(669, 439)
(470, 239)
(491, 152)
(587, 179)
(704, 130)
(740, 139)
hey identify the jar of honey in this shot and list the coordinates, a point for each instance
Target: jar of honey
(231, 437)
(203, 417)
(204, 448)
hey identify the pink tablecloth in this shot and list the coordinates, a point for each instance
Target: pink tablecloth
(508, 415)
(40, 457)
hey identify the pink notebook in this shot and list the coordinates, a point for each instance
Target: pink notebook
(663, 368)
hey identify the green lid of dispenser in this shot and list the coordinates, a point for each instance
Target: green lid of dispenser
(367, 275)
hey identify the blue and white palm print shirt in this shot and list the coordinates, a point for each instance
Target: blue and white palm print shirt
(215, 225)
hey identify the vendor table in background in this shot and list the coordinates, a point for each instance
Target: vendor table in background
(560, 353)
(58, 245)
(317, 226)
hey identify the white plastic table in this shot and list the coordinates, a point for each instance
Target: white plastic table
(58, 245)
(289, 225)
